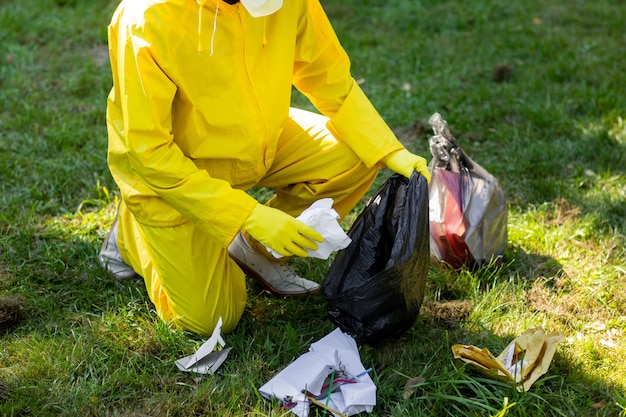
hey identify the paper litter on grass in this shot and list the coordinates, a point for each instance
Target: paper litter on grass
(306, 380)
(205, 360)
(522, 362)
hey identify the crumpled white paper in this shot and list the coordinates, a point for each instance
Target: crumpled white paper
(307, 375)
(205, 361)
(324, 219)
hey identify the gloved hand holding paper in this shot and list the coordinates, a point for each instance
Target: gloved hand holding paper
(324, 219)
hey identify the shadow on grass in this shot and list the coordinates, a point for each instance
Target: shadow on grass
(421, 377)
(530, 266)
(445, 386)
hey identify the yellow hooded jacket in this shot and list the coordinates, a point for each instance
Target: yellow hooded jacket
(191, 129)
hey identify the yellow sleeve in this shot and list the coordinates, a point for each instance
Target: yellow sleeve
(322, 74)
(144, 94)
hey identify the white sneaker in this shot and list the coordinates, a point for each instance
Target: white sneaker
(276, 277)
(110, 257)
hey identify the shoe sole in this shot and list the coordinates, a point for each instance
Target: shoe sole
(266, 285)
(120, 276)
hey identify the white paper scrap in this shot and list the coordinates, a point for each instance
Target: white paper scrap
(324, 219)
(308, 376)
(205, 360)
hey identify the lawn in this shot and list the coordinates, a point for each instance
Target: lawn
(530, 89)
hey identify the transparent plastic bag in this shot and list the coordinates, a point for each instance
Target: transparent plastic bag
(467, 206)
(375, 287)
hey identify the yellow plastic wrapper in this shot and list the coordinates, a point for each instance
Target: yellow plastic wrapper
(522, 362)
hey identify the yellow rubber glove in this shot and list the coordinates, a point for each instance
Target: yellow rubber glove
(404, 163)
(281, 232)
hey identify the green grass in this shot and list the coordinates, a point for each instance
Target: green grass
(552, 132)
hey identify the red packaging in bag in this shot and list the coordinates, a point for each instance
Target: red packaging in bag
(467, 207)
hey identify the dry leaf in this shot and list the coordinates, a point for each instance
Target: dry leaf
(411, 385)
(599, 404)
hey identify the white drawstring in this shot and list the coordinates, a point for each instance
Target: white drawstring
(200, 7)
(217, 9)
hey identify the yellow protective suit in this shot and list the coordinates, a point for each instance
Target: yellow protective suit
(200, 112)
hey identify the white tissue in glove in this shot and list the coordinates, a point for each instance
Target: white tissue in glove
(323, 218)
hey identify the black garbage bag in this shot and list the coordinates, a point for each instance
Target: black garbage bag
(468, 210)
(375, 287)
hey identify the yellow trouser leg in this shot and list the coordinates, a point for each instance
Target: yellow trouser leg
(190, 278)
